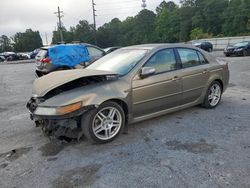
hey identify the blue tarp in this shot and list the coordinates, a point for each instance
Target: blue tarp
(68, 55)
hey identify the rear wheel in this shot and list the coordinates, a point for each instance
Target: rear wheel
(103, 125)
(213, 95)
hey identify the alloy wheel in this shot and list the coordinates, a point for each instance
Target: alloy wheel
(107, 123)
(214, 94)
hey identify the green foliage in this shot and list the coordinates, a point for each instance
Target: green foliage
(237, 16)
(5, 44)
(194, 19)
(198, 33)
(27, 41)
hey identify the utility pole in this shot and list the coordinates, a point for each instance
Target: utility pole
(94, 18)
(46, 37)
(59, 15)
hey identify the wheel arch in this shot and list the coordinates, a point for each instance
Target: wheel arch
(125, 108)
(221, 83)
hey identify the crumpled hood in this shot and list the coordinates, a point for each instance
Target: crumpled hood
(46, 83)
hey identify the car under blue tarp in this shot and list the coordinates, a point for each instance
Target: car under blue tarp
(68, 55)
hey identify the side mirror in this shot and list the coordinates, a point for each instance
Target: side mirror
(147, 71)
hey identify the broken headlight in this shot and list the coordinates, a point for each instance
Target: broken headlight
(57, 111)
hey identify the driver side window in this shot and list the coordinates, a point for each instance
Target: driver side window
(162, 61)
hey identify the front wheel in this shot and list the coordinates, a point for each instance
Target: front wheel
(213, 95)
(244, 53)
(103, 125)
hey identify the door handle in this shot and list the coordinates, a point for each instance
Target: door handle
(205, 71)
(176, 78)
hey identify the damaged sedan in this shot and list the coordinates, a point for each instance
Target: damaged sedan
(129, 85)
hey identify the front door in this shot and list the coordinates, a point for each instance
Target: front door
(161, 90)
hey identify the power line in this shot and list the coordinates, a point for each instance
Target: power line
(120, 2)
(59, 15)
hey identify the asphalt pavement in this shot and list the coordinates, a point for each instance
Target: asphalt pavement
(196, 147)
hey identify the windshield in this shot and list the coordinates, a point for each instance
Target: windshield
(241, 44)
(120, 61)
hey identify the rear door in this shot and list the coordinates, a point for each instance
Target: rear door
(195, 74)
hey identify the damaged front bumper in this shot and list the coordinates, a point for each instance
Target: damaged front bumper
(68, 125)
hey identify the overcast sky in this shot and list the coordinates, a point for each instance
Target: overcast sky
(18, 15)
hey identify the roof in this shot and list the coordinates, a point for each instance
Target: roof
(158, 46)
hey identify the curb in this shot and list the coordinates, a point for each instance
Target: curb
(17, 62)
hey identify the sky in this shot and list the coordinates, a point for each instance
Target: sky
(19, 15)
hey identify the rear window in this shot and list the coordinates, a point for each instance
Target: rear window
(42, 53)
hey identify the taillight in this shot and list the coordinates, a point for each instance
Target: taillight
(45, 60)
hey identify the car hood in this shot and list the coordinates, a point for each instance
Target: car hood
(234, 47)
(46, 83)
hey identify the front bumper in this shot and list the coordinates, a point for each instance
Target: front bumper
(68, 125)
(233, 53)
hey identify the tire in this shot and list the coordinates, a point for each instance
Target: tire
(227, 55)
(244, 53)
(210, 49)
(212, 99)
(105, 130)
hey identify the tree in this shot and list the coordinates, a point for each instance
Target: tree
(5, 44)
(67, 36)
(185, 14)
(144, 31)
(198, 33)
(188, 3)
(170, 6)
(82, 32)
(27, 41)
(208, 15)
(167, 25)
(109, 34)
(237, 17)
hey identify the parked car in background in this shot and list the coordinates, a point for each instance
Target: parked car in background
(10, 56)
(238, 49)
(207, 46)
(23, 56)
(2, 58)
(34, 53)
(111, 49)
(66, 56)
(129, 85)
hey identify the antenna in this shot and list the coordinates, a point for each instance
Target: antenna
(143, 5)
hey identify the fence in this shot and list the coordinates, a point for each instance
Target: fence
(221, 43)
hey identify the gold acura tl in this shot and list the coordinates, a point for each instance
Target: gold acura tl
(129, 85)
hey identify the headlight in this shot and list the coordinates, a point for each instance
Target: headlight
(50, 111)
(239, 49)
